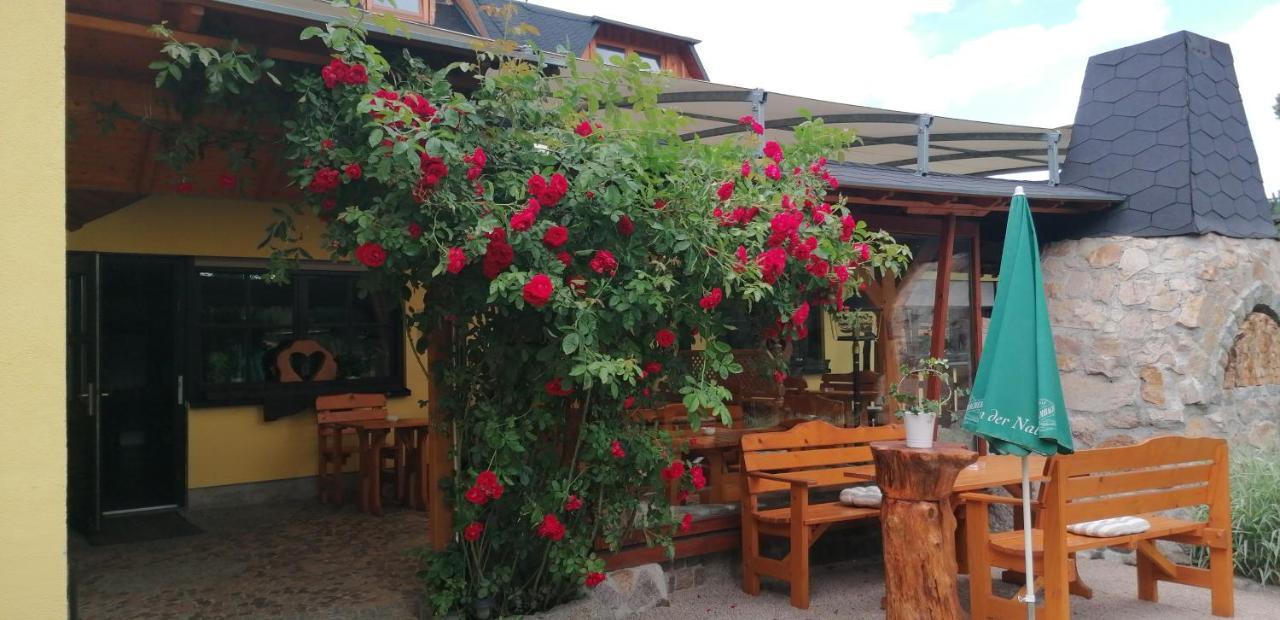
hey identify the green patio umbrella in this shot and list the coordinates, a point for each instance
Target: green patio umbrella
(1016, 402)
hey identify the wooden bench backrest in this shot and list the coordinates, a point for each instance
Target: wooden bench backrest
(674, 418)
(1158, 474)
(350, 408)
(825, 450)
(809, 403)
(868, 382)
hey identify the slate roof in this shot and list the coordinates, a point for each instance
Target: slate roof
(555, 27)
(903, 179)
(1162, 123)
(450, 17)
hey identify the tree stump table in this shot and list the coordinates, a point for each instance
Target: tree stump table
(918, 527)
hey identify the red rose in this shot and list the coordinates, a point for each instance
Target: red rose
(356, 74)
(699, 478)
(227, 180)
(652, 368)
(457, 260)
(583, 129)
(334, 73)
(572, 504)
(603, 262)
(472, 532)
(371, 254)
(555, 387)
(555, 236)
(725, 191)
(487, 481)
(686, 523)
(523, 220)
(183, 187)
(847, 226)
(616, 450)
(659, 204)
(674, 471)
(498, 256)
(864, 252)
(419, 105)
(414, 229)
(747, 119)
(712, 299)
(629, 402)
(773, 151)
(326, 143)
(353, 171)
(818, 267)
(682, 496)
(477, 158)
(537, 291)
(746, 170)
(325, 180)
(594, 579)
(779, 376)
(551, 528)
(565, 258)
(772, 263)
(772, 172)
(665, 338)
(626, 226)
(476, 496)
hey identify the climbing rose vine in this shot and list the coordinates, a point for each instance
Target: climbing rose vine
(582, 256)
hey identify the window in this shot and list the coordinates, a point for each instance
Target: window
(407, 8)
(240, 323)
(612, 55)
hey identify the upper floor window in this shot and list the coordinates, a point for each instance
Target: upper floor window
(404, 8)
(613, 55)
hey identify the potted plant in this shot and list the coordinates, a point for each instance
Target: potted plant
(919, 413)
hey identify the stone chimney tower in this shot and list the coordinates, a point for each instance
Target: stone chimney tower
(1162, 123)
(1166, 313)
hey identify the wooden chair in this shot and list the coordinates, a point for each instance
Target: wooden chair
(812, 455)
(1160, 474)
(333, 452)
(859, 389)
(801, 404)
(674, 419)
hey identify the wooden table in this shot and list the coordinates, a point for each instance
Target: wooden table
(988, 472)
(714, 449)
(371, 436)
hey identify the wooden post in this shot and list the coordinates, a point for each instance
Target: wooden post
(975, 312)
(439, 442)
(918, 527)
(888, 349)
(941, 301)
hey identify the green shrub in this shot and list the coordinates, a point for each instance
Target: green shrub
(1255, 518)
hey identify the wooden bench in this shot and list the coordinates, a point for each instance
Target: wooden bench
(1146, 479)
(810, 456)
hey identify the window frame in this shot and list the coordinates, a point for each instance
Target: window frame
(423, 13)
(202, 394)
(630, 49)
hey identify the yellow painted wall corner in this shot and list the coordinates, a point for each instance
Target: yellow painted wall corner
(33, 533)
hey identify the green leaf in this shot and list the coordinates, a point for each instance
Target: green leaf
(570, 343)
(375, 137)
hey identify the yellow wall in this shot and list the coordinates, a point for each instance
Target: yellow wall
(227, 445)
(33, 535)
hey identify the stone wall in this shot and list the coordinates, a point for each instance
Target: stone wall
(1144, 328)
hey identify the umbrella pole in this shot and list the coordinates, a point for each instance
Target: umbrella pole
(1030, 598)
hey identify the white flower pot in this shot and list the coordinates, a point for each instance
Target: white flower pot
(919, 429)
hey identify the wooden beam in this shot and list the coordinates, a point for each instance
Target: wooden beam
(889, 345)
(941, 300)
(130, 29)
(440, 441)
(975, 313)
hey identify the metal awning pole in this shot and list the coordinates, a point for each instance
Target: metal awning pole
(758, 98)
(1052, 139)
(922, 143)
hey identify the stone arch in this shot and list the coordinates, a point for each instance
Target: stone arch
(1258, 295)
(1254, 357)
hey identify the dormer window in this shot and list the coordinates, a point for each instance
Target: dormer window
(612, 55)
(408, 9)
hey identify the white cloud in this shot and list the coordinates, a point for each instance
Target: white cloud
(867, 53)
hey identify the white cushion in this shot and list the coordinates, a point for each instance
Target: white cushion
(1115, 526)
(865, 497)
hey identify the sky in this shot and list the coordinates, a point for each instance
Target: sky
(1006, 61)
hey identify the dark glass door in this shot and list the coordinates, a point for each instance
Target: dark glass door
(142, 422)
(83, 385)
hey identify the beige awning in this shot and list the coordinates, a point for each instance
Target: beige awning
(886, 137)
